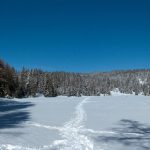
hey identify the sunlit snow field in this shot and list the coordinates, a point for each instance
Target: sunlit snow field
(75, 123)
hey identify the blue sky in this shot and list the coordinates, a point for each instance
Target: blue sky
(75, 35)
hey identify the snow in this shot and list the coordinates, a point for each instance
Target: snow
(118, 122)
(116, 92)
(142, 82)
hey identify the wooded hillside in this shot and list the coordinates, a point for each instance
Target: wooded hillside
(34, 82)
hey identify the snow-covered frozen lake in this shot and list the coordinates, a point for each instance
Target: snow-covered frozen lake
(75, 123)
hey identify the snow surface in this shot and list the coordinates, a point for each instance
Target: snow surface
(116, 92)
(119, 122)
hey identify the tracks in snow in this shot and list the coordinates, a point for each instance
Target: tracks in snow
(74, 135)
(71, 132)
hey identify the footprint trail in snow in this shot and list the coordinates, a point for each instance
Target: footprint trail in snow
(73, 133)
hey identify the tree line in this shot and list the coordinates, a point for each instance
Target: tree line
(34, 82)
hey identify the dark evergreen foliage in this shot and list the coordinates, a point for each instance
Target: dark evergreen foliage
(28, 83)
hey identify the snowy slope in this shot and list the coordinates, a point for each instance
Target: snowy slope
(86, 123)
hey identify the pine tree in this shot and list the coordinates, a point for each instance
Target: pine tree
(49, 88)
(2, 79)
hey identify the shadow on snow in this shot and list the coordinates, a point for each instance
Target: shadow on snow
(129, 133)
(13, 113)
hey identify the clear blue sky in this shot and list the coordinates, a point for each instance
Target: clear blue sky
(75, 35)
